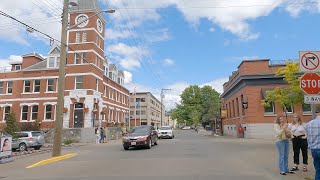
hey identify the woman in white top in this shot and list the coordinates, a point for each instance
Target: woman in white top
(299, 141)
(282, 144)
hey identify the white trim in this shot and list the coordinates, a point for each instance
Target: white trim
(87, 29)
(49, 103)
(114, 105)
(48, 92)
(27, 99)
(84, 74)
(110, 107)
(4, 111)
(31, 93)
(4, 105)
(24, 86)
(51, 85)
(45, 112)
(81, 51)
(29, 104)
(34, 86)
(28, 78)
(87, 42)
(128, 95)
(8, 87)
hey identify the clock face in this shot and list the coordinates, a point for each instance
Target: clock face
(99, 25)
(82, 20)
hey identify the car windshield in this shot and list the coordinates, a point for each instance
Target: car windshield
(35, 134)
(140, 130)
(165, 128)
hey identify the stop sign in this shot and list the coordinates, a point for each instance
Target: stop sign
(310, 83)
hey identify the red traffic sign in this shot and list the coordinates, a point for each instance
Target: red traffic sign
(309, 61)
(310, 83)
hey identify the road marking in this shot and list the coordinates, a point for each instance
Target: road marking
(51, 160)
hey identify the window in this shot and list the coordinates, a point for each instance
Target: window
(118, 96)
(143, 99)
(97, 85)
(34, 112)
(84, 57)
(36, 87)
(105, 91)
(77, 37)
(48, 112)
(107, 71)
(17, 67)
(269, 109)
(9, 87)
(1, 87)
(289, 109)
(77, 58)
(50, 85)
(6, 112)
(27, 86)
(79, 82)
(84, 37)
(237, 105)
(24, 113)
(143, 112)
(243, 111)
(110, 75)
(51, 62)
(306, 108)
(58, 62)
(131, 100)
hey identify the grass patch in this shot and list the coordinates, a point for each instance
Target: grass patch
(68, 141)
(308, 178)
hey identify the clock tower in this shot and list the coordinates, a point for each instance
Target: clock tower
(86, 34)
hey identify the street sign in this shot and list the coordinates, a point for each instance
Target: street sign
(310, 83)
(312, 99)
(309, 61)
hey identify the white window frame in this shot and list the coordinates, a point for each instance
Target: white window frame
(34, 85)
(84, 36)
(83, 57)
(105, 91)
(24, 86)
(4, 112)
(291, 112)
(31, 117)
(15, 67)
(75, 79)
(1, 88)
(7, 90)
(97, 85)
(21, 115)
(77, 40)
(47, 90)
(45, 112)
(57, 62)
(50, 59)
(77, 58)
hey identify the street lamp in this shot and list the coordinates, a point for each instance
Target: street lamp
(245, 104)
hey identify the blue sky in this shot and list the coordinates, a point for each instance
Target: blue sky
(176, 43)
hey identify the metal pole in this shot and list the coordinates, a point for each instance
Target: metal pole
(135, 109)
(161, 106)
(140, 111)
(56, 151)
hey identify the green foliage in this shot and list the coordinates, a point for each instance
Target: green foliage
(286, 95)
(30, 126)
(197, 105)
(68, 141)
(11, 126)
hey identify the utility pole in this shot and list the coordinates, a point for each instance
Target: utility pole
(56, 151)
(162, 96)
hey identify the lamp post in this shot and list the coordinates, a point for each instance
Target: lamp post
(56, 150)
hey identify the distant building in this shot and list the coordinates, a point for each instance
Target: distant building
(247, 88)
(94, 91)
(168, 121)
(146, 107)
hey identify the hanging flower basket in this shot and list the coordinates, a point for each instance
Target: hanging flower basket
(86, 110)
(122, 124)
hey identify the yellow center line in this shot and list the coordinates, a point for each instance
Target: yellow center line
(51, 160)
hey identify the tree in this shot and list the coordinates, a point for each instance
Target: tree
(290, 95)
(197, 105)
(11, 125)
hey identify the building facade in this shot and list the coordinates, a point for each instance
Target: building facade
(145, 107)
(94, 91)
(243, 95)
(168, 121)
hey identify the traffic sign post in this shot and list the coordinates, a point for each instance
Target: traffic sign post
(310, 83)
(309, 61)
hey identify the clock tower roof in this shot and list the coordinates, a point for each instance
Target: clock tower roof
(86, 6)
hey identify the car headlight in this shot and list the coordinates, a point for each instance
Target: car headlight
(125, 138)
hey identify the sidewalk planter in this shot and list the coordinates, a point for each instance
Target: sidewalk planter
(65, 110)
(86, 110)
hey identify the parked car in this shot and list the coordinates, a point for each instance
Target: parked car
(28, 139)
(186, 128)
(165, 132)
(142, 136)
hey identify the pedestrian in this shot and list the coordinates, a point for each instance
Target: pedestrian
(299, 142)
(97, 132)
(313, 133)
(282, 142)
(101, 135)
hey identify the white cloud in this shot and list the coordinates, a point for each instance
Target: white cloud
(157, 35)
(4, 63)
(127, 77)
(217, 84)
(33, 14)
(128, 56)
(168, 62)
(212, 29)
(115, 35)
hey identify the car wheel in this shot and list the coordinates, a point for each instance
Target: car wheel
(172, 136)
(156, 142)
(22, 147)
(37, 148)
(125, 148)
(149, 144)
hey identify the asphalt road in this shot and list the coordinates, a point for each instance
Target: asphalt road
(187, 157)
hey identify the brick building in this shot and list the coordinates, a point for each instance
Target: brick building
(150, 112)
(248, 86)
(94, 91)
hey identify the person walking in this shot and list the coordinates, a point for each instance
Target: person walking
(282, 142)
(299, 142)
(313, 133)
(102, 135)
(97, 132)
